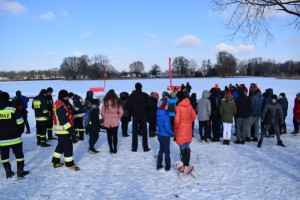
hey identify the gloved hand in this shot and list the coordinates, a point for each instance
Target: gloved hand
(73, 135)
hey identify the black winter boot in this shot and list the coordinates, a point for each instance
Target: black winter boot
(279, 143)
(8, 171)
(188, 156)
(20, 170)
(168, 165)
(159, 163)
(259, 144)
(183, 156)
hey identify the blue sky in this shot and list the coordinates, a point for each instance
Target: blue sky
(40, 34)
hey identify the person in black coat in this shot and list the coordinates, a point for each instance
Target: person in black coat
(282, 100)
(193, 100)
(151, 118)
(126, 118)
(94, 127)
(215, 102)
(138, 107)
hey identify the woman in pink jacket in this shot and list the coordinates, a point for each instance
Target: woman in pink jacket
(111, 112)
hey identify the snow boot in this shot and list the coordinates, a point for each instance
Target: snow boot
(259, 144)
(168, 165)
(279, 143)
(20, 170)
(74, 167)
(8, 171)
(58, 165)
(159, 163)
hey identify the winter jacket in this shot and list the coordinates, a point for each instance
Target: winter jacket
(94, 127)
(111, 115)
(138, 103)
(78, 106)
(256, 104)
(163, 123)
(243, 106)
(185, 115)
(11, 123)
(41, 108)
(204, 106)
(172, 101)
(267, 97)
(296, 110)
(227, 109)
(284, 105)
(272, 114)
(24, 101)
(215, 102)
(63, 119)
(151, 117)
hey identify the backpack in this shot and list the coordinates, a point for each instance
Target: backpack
(87, 118)
(171, 107)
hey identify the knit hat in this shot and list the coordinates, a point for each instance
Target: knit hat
(161, 104)
(63, 93)
(274, 96)
(71, 94)
(138, 86)
(154, 94)
(18, 93)
(4, 96)
(180, 95)
(173, 94)
(49, 89)
(298, 95)
(43, 92)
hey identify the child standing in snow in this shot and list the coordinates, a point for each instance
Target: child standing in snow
(227, 111)
(94, 126)
(164, 133)
(185, 115)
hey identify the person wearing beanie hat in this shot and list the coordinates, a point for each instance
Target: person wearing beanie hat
(63, 127)
(42, 116)
(78, 109)
(183, 134)
(283, 101)
(50, 110)
(24, 101)
(272, 115)
(138, 105)
(151, 117)
(94, 125)
(12, 127)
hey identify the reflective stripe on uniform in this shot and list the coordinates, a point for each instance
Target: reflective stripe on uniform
(41, 118)
(67, 125)
(5, 161)
(20, 120)
(69, 159)
(57, 155)
(20, 159)
(79, 115)
(10, 142)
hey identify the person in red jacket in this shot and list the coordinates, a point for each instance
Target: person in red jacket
(296, 112)
(184, 117)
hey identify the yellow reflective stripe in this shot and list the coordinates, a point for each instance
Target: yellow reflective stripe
(10, 142)
(41, 118)
(42, 136)
(61, 132)
(81, 129)
(45, 111)
(49, 129)
(20, 159)
(10, 109)
(67, 125)
(57, 155)
(5, 161)
(79, 115)
(37, 104)
(20, 121)
(69, 159)
(76, 108)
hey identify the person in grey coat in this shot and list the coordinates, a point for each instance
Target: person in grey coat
(272, 116)
(204, 112)
(255, 113)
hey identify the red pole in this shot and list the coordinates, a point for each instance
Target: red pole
(170, 71)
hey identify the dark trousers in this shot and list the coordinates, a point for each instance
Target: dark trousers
(172, 122)
(282, 127)
(152, 127)
(206, 126)
(164, 146)
(78, 126)
(64, 147)
(265, 130)
(41, 129)
(215, 125)
(17, 150)
(139, 120)
(112, 138)
(50, 128)
(24, 115)
(93, 139)
(295, 122)
(124, 126)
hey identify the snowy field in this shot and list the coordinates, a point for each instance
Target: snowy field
(226, 172)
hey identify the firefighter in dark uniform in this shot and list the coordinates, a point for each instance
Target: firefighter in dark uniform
(78, 112)
(50, 108)
(63, 121)
(12, 126)
(41, 110)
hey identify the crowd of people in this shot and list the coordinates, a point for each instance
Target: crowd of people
(255, 115)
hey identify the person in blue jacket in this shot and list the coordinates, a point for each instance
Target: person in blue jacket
(164, 133)
(171, 103)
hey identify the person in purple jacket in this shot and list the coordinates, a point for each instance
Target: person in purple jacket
(164, 133)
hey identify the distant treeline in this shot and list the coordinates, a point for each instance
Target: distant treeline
(85, 68)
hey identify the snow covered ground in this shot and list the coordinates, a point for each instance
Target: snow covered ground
(226, 172)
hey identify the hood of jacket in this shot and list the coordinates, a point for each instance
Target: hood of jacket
(205, 94)
(228, 97)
